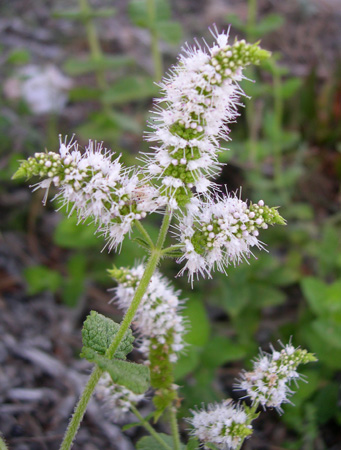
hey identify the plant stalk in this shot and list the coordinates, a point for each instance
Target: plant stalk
(128, 318)
(149, 428)
(175, 428)
(156, 54)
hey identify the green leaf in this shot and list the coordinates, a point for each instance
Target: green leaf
(76, 66)
(70, 235)
(41, 278)
(169, 31)
(187, 363)
(199, 328)
(80, 93)
(139, 15)
(137, 424)
(220, 350)
(135, 377)
(329, 332)
(211, 446)
(142, 243)
(269, 23)
(98, 333)
(19, 56)
(73, 286)
(150, 443)
(193, 444)
(236, 22)
(323, 299)
(290, 87)
(130, 88)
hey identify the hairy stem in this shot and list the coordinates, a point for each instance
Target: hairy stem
(149, 428)
(125, 324)
(157, 58)
(80, 409)
(175, 428)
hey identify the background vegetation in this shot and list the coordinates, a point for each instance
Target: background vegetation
(285, 149)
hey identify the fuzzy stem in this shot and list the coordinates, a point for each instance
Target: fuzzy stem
(80, 409)
(128, 318)
(157, 59)
(175, 428)
(149, 428)
(3, 445)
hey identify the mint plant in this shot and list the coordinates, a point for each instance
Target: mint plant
(211, 230)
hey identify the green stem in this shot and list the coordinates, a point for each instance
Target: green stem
(149, 428)
(172, 248)
(80, 409)
(250, 104)
(175, 428)
(251, 19)
(94, 44)
(157, 58)
(128, 318)
(278, 107)
(144, 233)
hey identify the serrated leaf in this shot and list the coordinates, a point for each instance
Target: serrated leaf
(130, 88)
(150, 443)
(135, 377)
(78, 66)
(98, 333)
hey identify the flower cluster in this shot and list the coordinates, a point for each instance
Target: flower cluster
(268, 383)
(221, 233)
(95, 185)
(201, 97)
(157, 320)
(117, 399)
(225, 425)
(44, 88)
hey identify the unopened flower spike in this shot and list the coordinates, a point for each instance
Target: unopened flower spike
(268, 384)
(160, 328)
(95, 185)
(201, 96)
(222, 232)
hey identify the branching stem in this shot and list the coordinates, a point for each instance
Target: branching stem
(152, 263)
(149, 428)
(175, 428)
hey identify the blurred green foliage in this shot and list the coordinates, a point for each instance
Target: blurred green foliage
(297, 282)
